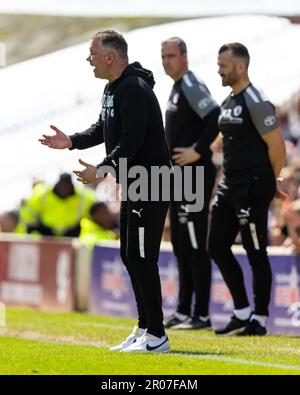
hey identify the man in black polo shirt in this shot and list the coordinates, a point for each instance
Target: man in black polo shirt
(191, 126)
(254, 154)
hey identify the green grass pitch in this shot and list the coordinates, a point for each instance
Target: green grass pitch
(36, 342)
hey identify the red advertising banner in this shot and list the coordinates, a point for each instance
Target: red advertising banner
(37, 273)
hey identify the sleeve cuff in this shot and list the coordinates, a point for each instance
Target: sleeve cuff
(100, 173)
(73, 139)
(198, 148)
(106, 162)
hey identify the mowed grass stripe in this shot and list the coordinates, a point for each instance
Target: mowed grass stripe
(37, 337)
(35, 357)
(89, 337)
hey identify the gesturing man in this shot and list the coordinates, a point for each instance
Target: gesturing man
(130, 124)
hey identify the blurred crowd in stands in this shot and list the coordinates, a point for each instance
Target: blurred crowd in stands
(284, 216)
(92, 213)
(63, 210)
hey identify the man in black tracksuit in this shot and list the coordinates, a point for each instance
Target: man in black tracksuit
(254, 154)
(130, 124)
(191, 126)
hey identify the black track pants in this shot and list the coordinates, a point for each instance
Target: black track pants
(243, 207)
(189, 240)
(141, 227)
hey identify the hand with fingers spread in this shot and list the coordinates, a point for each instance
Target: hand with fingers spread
(185, 155)
(88, 175)
(280, 194)
(58, 141)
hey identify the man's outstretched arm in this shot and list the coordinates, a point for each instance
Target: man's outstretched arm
(57, 141)
(86, 139)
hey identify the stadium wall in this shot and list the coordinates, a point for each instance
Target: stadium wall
(62, 275)
(111, 292)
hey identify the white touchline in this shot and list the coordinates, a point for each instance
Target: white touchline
(243, 361)
(175, 334)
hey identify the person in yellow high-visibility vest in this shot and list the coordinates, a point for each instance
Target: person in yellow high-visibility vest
(10, 223)
(99, 227)
(58, 210)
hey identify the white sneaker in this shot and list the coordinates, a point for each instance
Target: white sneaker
(131, 339)
(149, 343)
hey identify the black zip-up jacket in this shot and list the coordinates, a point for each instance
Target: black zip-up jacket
(130, 123)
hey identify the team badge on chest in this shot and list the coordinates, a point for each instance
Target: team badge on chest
(237, 110)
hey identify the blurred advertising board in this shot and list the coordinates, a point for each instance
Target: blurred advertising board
(37, 273)
(111, 292)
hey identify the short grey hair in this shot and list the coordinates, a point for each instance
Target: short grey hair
(113, 39)
(178, 41)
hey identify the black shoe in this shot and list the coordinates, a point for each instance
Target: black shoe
(194, 323)
(174, 321)
(254, 328)
(234, 326)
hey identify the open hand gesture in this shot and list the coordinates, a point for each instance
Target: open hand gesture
(88, 175)
(58, 141)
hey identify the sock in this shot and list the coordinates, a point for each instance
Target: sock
(180, 316)
(157, 336)
(262, 319)
(204, 318)
(141, 331)
(243, 314)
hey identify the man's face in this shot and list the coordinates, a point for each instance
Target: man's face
(228, 68)
(65, 189)
(99, 58)
(174, 62)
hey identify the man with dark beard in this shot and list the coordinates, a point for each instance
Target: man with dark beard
(254, 154)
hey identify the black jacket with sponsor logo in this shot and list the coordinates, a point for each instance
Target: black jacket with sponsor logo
(192, 116)
(244, 118)
(130, 123)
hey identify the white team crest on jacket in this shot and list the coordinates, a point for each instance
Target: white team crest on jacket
(270, 120)
(237, 110)
(203, 103)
